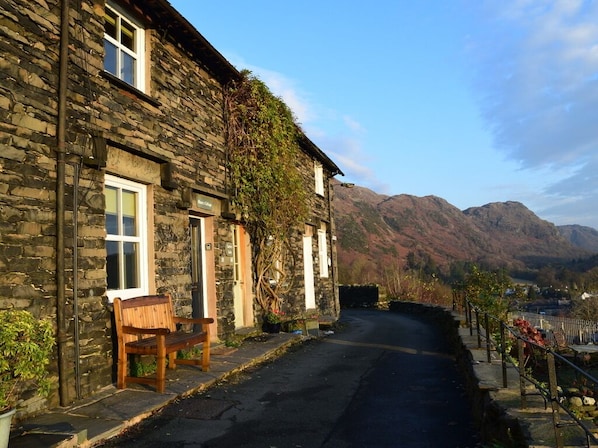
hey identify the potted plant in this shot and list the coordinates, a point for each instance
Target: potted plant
(26, 345)
(272, 321)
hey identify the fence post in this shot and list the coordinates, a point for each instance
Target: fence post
(487, 324)
(554, 396)
(469, 319)
(503, 354)
(521, 360)
(477, 327)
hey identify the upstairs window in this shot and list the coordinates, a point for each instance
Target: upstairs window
(124, 43)
(319, 177)
(323, 250)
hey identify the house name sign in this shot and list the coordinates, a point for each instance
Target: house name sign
(206, 203)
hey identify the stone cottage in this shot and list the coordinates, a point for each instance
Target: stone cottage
(113, 180)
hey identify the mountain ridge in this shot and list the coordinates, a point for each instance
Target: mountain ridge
(377, 232)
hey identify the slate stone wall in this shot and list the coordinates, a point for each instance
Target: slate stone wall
(177, 123)
(27, 163)
(326, 292)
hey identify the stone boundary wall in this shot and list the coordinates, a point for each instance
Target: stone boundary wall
(356, 296)
(493, 421)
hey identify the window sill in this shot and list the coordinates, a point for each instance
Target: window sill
(129, 88)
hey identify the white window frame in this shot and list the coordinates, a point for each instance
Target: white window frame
(323, 250)
(140, 238)
(319, 178)
(138, 53)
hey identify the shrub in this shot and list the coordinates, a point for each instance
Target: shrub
(26, 345)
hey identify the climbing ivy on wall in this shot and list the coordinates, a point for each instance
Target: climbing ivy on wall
(266, 184)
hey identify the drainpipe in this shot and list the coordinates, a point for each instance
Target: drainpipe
(60, 206)
(334, 275)
(77, 169)
(333, 247)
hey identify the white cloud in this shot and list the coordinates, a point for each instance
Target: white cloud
(348, 153)
(281, 86)
(286, 89)
(538, 82)
(353, 125)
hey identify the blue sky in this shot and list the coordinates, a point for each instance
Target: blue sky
(474, 101)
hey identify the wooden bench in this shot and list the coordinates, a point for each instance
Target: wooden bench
(147, 325)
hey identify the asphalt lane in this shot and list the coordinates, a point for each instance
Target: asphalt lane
(383, 380)
(413, 395)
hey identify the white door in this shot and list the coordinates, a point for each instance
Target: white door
(308, 269)
(239, 272)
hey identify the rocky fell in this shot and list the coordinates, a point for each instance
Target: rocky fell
(378, 232)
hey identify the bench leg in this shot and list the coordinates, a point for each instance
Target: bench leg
(161, 367)
(121, 369)
(172, 360)
(205, 356)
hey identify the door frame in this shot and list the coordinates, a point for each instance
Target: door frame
(308, 268)
(242, 278)
(198, 250)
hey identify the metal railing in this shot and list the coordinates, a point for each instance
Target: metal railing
(529, 352)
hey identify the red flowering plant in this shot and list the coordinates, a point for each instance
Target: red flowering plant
(529, 332)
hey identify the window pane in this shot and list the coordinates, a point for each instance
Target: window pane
(127, 35)
(110, 60)
(131, 271)
(110, 23)
(323, 252)
(319, 176)
(128, 68)
(111, 211)
(129, 211)
(112, 264)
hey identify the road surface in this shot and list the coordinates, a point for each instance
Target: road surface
(382, 380)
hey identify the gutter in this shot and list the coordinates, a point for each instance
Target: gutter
(311, 148)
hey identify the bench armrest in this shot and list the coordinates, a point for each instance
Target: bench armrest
(191, 320)
(136, 330)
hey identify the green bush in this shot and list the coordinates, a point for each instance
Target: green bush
(26, 345)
